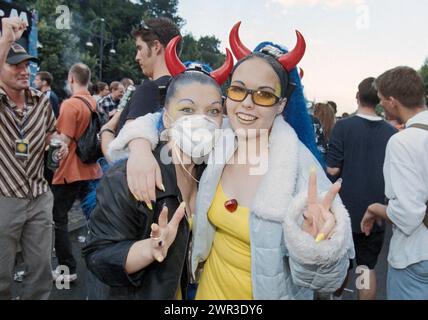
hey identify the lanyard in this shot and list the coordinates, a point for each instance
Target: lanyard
(21, 126)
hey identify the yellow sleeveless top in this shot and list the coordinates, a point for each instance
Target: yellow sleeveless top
(227, 271)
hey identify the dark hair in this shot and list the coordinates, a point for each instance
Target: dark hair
(91, 88)
(403, 84)
(333, 105)
(367, 93)
(186, 78)
(81, 73)
(284, 77)
(45, 76)
(325, 114)
(161, 29)
(100, 86)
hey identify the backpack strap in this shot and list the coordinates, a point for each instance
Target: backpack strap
(426, 217)
(419, 126)
(423, 127)
(86, 102)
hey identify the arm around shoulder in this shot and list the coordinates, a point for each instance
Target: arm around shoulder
(141, 128)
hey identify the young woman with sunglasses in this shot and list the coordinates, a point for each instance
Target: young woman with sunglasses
(262, 234)
(140, 251)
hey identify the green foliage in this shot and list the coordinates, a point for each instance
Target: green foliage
(190, 49)
(208, 48)
(380, 111)
(163, 8)
(203, 50)
(62, 48)
(123, 64)
(424, 73)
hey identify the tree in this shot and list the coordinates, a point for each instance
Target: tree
(208, 48)
(164, 8)
(58, 51)
(424, 74)
(123, 63)
(62, 48)
(190, 51)
(205, 50)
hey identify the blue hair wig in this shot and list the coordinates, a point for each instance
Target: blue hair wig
(89, 202)
(159, 125)
(296, 112)
(196, 64)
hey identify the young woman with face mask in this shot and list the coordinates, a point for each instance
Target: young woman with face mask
(140, 251)
(264, 232)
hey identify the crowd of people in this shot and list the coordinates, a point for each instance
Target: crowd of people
(211, 184)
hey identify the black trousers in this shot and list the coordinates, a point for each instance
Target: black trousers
(48, 173)
(64, 198)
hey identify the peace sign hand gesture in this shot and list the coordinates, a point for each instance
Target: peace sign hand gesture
(319, 221)
(164, 233)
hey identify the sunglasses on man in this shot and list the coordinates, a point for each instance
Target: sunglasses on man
(143, 26)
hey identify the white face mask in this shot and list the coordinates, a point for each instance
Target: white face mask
(195, 135)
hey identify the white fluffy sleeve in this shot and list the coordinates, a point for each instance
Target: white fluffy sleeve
(302, 245)
(144, 127)
(319, 266)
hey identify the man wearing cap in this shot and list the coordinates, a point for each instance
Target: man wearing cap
(26, 126)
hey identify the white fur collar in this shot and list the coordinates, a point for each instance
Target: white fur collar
(278, 186)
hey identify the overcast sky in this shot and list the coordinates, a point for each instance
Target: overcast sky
(347, 40)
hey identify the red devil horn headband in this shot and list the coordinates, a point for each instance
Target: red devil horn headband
(239, 50)
(176, 67)
(289, 60)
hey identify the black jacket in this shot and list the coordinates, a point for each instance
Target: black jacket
(119, 221)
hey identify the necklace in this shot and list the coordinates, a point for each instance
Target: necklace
(231, 205)
(182, 165)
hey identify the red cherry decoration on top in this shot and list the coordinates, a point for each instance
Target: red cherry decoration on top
(231, 205)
